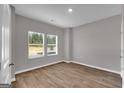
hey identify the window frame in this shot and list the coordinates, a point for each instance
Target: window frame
(37, 56)
(56, 45)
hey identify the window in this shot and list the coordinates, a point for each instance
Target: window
(35, 44)
(52, 46)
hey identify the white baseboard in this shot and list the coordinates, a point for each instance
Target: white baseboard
(67, 61)
(122, 75)
(13, 79)
(100, 68)
(29, 69)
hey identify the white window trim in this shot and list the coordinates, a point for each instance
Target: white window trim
(37, 56)
(56, 45)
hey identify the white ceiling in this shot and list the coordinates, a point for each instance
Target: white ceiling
(82, 13)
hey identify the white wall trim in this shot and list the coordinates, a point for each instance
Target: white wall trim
(67, 61)
(52, 63)
(29, 69)
(13, 79)
(100, 68)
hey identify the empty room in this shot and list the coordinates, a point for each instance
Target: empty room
(61, 45)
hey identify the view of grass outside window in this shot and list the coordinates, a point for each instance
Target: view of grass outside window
(51, 44)
(35, 44)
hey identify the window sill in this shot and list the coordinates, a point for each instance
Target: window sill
(34, 57)
(52, 54)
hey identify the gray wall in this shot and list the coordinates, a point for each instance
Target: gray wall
(23, 25)
(98, 43)
(68, 44)
(13, 40)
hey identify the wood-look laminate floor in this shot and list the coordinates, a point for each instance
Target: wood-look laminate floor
(67, 75)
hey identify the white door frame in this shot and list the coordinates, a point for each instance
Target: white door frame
(0, 39)
(5, 44)
(122, 46)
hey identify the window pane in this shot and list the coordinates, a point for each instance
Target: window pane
(36, 44)
(51, 39)
(51, 44)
